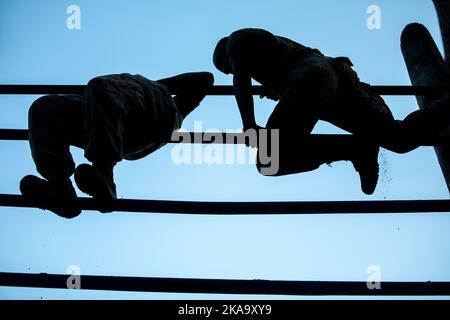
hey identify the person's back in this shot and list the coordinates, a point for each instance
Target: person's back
(268, 58)
(153, 117)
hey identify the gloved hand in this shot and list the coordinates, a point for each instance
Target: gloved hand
(252, 136)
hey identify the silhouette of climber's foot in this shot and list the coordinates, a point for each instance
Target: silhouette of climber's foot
(366, 164)
(96, 183)
(61, 190)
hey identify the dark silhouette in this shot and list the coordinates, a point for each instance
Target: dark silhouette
(427, 67)
(309, 87)
(120, 116)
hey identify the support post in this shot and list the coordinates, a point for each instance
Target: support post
(426, 67)
(443, 12)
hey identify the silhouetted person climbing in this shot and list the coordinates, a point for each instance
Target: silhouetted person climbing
(120, 116)
(310, 87)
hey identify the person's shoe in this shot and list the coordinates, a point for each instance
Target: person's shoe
(97, 184)
(366, 164)
(38, 189)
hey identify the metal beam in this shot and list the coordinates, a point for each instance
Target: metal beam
(217, 90)
(443, 12)
(426, 67)
(239, 138)
(240, 208)
(222, 286)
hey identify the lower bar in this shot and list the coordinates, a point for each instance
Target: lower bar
(220, 286)
(242, 208)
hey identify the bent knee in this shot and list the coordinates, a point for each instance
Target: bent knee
(266, 171)
(277, 168)
(269, 171)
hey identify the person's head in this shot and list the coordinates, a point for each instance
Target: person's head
(220, 56)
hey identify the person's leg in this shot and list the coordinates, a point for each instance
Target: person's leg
(310, 89)
(299, 154)
(301, 106)
(55, 123)
(105, 109)
(365, 114)
(362, 112)
(189, 89)
(425, 123)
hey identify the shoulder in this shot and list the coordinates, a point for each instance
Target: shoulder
(250, 34)
(248, 40)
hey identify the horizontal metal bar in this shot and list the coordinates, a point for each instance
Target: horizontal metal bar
(409, 90)
(222, 286)
(239, 138)
(240, 208)
(41, 89)
(13, 134)
(214, 91)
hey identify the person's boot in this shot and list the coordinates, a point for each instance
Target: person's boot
(52, 191)
(365, 162)
(98, 183)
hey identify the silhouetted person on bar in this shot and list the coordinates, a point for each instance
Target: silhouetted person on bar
(120, 116)
(310, 87)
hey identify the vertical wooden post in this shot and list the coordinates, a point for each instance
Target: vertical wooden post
(443, 12)
(426, 67)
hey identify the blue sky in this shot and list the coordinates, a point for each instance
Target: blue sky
(164, 38)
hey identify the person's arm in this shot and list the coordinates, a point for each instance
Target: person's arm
(187, 82)
(242, 84)
(189, 89)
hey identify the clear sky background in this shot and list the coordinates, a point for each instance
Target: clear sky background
(164, 38)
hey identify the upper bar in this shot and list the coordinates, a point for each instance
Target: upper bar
(239, 138)
(217, 90)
